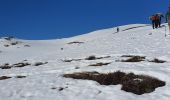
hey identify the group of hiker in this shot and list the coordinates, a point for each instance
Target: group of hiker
(157, 18)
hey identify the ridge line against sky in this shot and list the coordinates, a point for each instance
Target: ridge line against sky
(50, 19)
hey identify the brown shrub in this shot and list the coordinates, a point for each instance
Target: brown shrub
(40, 63)
(21, 64)
(27, 45)
(137, 84)
(4, 77)
(6, 45)
(20, 76)
(95, 58)
(70, 60)
(134, 59)
(99, 64)
(14, 43)
(5, 66)
(157, 61)
(140, 84)
(91, 58)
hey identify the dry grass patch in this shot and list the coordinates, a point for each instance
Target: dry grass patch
(5, 66)
(21, 64)
(20, 76)
(99, 64)
(134, 58)
(137, 84)
(70, 60)
(4, 77)
(157, 61)
(87, 58)
(75, 42)
(40, 63)
(95, 58)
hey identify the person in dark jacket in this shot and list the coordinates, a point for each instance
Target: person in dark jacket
(168, 16)
(157, 20)
(160, 16)
(117, 29)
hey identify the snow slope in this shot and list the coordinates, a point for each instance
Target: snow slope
(45, 82)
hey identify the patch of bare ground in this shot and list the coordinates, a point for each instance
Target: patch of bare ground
(70, 60)
(5, 66)
(8, 77)
(4, 77)
(95, 58)
(87, 58)
(133, 58)
(20, 64)
(75, 42)
(137, 84)
(40, 63)
(59, 88)
(157, 61)
(20, 76)
(100, 64)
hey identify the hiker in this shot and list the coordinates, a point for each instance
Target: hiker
(157, 20)
(168, 16)
(153, 19)
(160, 16)
(117, 29)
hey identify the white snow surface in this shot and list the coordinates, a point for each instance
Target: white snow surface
(40, 80)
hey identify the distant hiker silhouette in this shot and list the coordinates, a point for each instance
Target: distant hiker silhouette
(117, 29)
(156, 20)
(159, 16)
(153, 19)
(168, 16)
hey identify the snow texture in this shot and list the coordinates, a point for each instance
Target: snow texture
(46, 82)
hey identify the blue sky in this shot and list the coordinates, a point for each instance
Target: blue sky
(50, 19)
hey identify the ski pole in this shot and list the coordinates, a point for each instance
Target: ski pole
(165, 30)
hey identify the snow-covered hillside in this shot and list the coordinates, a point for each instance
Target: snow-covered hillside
(47, 60)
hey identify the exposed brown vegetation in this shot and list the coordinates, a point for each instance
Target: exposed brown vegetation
(27, 45)
(131, 56)
(99, 64)
(40, 63)
(134, 58)
(5, 66)
(4, 77)
(75, 42)
(6, 45)
(21, 64)
(14, 43)
(95, 58)
(157, 61)
(137, 84)
(70, 60)
(88, 58)
(91, 58)
(20, 76)
(134, 27)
